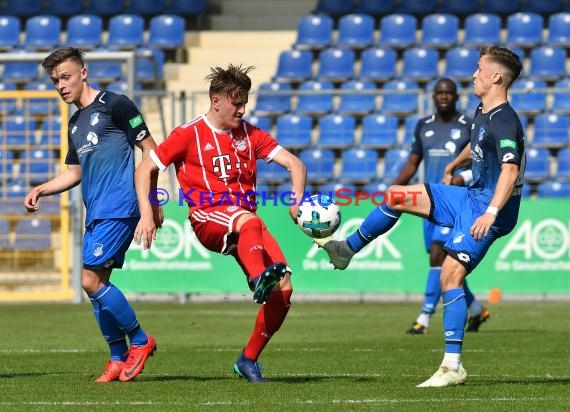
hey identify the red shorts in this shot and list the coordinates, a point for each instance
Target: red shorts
(215, 229)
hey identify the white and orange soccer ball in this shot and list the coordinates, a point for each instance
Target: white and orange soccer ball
(319, 216)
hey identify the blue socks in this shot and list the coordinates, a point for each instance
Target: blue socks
(379, 221)
(454, 319)
(116, 318)
(433, 290)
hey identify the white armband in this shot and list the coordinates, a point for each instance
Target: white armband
(493, 210)
(467, 176)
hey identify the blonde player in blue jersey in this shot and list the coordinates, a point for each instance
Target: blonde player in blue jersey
(477, 215)
(438, 139)
(102, 135)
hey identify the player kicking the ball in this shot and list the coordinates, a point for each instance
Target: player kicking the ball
(215, 159)
(478, 214)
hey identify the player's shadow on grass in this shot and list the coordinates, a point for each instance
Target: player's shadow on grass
(522, 381)
(25, 374)
(292, 379)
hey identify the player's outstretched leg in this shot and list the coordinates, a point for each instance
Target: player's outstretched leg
(138, 356)
(339, 252)
(475, 321)
(446, 376)
(265, 282)
(112, 371)
(248, 369)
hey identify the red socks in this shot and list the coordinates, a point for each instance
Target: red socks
(269, 319)
(250, 248)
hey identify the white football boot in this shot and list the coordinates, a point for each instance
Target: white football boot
(446, 376)
(338, 250)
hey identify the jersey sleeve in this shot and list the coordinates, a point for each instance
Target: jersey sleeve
(71, 158)
(127, 117)
(172, 149)
(265, 145)
(507, 133)
(417, 148)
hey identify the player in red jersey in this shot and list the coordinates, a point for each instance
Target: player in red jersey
(215, 159)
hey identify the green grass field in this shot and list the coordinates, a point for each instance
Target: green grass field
(327, 356)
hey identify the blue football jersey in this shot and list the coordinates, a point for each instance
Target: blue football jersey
(438, 143)
(497, 137)
(101, 139)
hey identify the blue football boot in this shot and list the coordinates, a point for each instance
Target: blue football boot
(264, 283)
(248, 369)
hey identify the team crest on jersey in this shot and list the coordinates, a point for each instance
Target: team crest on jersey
(94, 119)
(97, 249)
(455, 134)
(481, 133)
(240, 144)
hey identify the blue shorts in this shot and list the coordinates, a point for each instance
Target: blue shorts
(434, 234)
(106, 241)
(453, 207)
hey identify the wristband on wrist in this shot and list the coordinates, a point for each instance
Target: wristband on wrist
(493, 210)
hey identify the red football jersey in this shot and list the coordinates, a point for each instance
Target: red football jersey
(215, 167)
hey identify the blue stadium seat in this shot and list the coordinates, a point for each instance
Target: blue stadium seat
(358, 165)
(314, 32)
(16, 189)
(537, 164)
(461, 63)
(379, 131)
(398, 30)
(271, 172)
(331, 188)
(561, 96)
(458, 8)
(543, 6)
(33, 234)
(318, 100)
(551, 130)
(105, 7)
(482, 29)
(51, 131)
(336, 131)
(355, 31)
(84, 31)
(22, 8)
(6, 164)
(418, 7)
(149, 66)
(378, 64)
(38, 165)
(284, 193)
(263, 122)
(336, 64)
(471, 104)
(263, 188)
(547, 63)
(320, 164)
(125, 31)
(358, 98)
(166, 31)
(553, 188)
(63, 7)
(293, 131)
(558, 29)
(273, 98)
(502, 7)
(146, 7)
(400, 97)
(9, 32)
(376, 8)
(378, 186)
(334, 7)
(105, 71)
(122, 87)
(19, 130)
(563, 164)
(529, 96)
(439, 30)
(394, 160)
(7, 106)
(40, 106)
(186, 7)
(42, 32)
(524, 29)
(294, 66)
(420, 63)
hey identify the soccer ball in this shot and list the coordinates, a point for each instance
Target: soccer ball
(319, 216)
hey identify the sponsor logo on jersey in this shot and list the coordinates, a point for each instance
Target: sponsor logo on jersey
(136, 121)
(464, 257)
(429, 133)
(208, 147)
(508, 157)
(73, 129)
(108, 263)
(92, 138)
(97, 249)
(507, 143)
(94, 119)
(458, 237)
